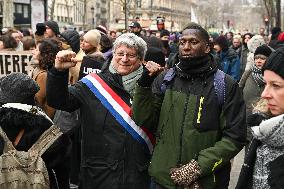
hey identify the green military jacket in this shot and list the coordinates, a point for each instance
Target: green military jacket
(189, 123)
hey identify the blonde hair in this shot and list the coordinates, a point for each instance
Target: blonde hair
(261, 107)
(238, 37)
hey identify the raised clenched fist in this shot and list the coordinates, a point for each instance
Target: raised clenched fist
(65, 59)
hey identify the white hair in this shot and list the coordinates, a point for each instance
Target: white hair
(132, 41)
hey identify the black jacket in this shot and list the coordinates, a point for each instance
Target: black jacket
(111, 158)
(56, 157)
(90, 64)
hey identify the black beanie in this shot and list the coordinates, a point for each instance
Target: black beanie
(40, 28)
(275, 62)
(72, 37)
(164, 33)
(222, 42)
(263, 50)
(156, 55)
(53, 26)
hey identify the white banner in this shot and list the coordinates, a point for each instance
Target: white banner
(14, 61)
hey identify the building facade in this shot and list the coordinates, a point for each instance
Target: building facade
(147, 11)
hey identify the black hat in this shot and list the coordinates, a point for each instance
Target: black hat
(222, 42)
(275, 62)
(17, 88)
(134, 25)
(156, 55)
(72, 37)
(53, 26)
(40, 28)
(275, 31)
(263, 50)
(164, 33)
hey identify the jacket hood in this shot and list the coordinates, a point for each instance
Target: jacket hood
(271, 131)
(255, 42)
(16, 116)
(230, 53)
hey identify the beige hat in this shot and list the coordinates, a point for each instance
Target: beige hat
(93, 37)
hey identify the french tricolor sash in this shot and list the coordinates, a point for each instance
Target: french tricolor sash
(119, 109)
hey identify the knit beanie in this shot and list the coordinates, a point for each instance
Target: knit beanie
(222, 42)
(93, 37)
(72, 37)
(17, 88)
(53, 26)
(40, 28)
(275, 62)
(263, 50)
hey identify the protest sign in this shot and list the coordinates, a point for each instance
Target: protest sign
(14, 61)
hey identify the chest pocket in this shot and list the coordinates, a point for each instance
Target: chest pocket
(207, 114)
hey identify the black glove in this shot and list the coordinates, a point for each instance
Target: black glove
(146, 80)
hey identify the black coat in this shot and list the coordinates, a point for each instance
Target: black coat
(91, 64)
(56, 157)
(111, 158)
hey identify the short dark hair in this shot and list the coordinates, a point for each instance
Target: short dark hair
(203, 32)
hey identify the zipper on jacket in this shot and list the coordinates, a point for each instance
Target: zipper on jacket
(182, 127)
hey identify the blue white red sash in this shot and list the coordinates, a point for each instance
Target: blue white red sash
(118, 108)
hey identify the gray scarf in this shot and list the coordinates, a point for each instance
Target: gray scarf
(270, 133)
(129, 81)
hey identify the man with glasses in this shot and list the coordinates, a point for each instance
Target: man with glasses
(199, 114)
(115, 151)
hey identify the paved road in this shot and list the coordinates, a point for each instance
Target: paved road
(236, 168)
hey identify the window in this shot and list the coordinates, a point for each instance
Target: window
(19, 8)
(138, 4)
(26, 11)
(1, 9)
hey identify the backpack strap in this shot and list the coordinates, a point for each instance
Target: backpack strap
(8, 146)
(45, 140)
(219, 86)
(169, 76)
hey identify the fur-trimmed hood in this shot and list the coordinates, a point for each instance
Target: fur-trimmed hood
(16, 116)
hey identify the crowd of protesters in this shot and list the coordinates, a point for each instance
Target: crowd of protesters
(163, 110)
